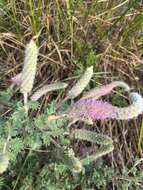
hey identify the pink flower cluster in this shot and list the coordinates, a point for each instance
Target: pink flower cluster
(89, 107)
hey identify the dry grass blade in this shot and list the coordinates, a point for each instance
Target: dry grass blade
(140, 140)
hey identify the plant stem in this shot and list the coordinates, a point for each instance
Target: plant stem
(25, 95)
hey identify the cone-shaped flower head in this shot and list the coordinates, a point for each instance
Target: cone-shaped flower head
(81, 84)
(132, 111)
(48, 88)
(29, 69)
(105, 89)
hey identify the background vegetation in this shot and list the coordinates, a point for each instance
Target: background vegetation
(72, 36)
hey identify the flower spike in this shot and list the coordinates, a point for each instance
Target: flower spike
(105, 89)
(97, 109)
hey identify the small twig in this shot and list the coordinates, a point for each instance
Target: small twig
(8, 138)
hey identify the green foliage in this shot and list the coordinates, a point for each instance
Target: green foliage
(135, 26)
(5, 99)
(83, 33)
(37, 142)
(118, 100)
(41, 156)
